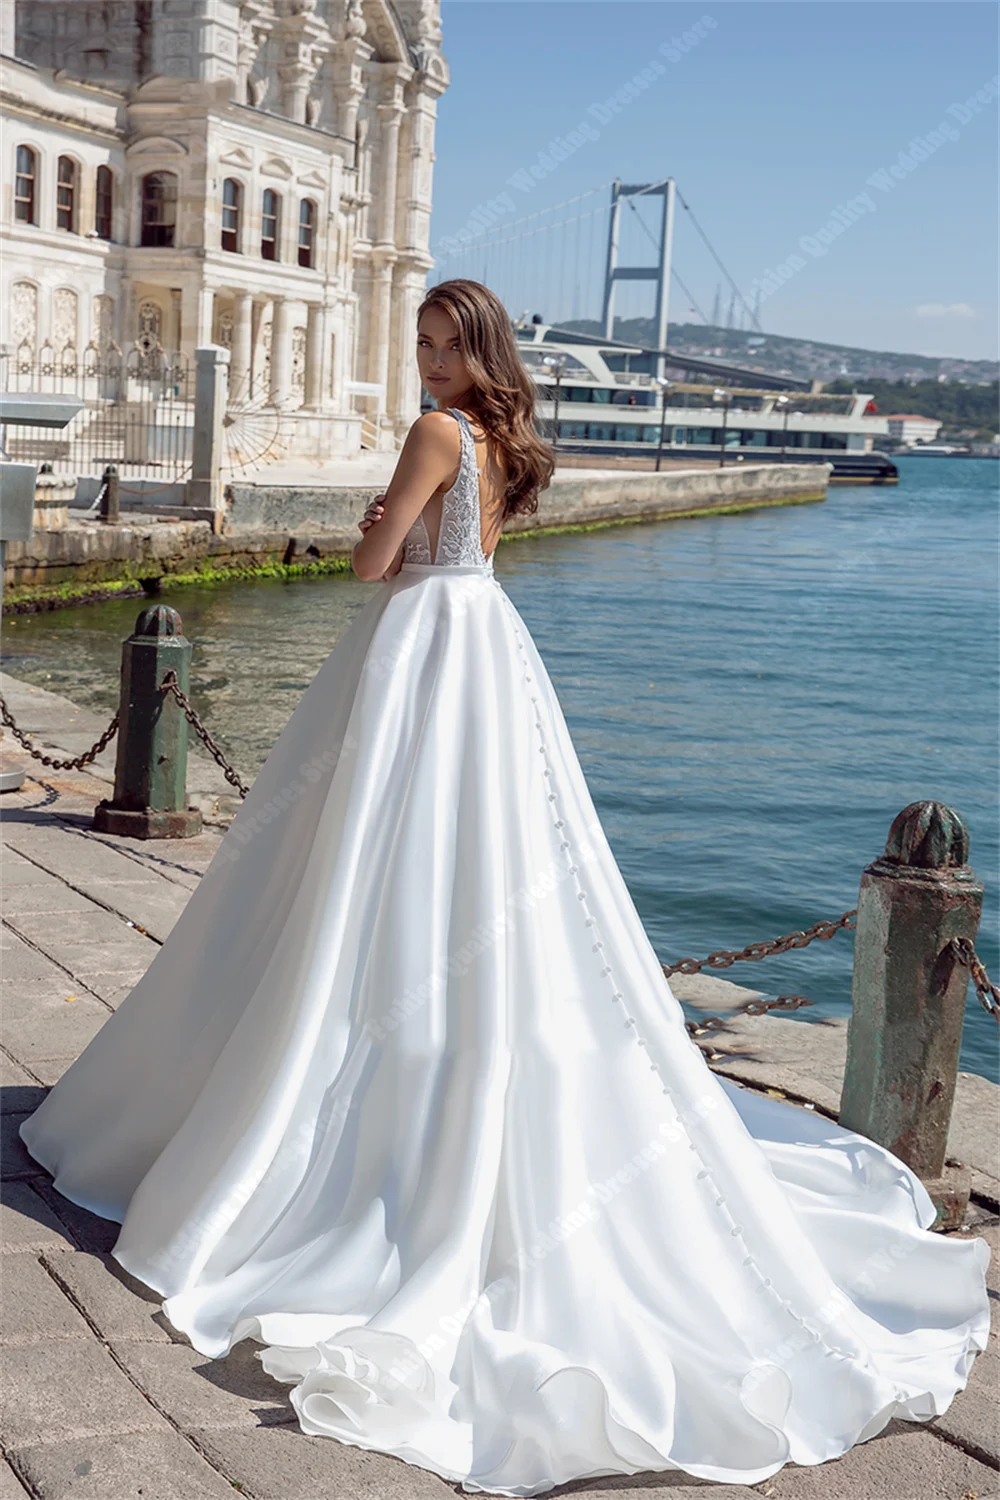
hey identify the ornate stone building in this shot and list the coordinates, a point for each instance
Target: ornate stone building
(255, 173)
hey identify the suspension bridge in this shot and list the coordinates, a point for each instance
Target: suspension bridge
(588, 256)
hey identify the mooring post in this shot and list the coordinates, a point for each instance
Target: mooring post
(109, 495)
(908, 997)
(149, 800)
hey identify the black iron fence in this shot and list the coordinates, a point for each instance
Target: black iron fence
(138, 410)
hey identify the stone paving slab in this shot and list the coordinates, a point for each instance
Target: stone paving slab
(34, 1307)
(132, 1466)
(10, 1486)
(122, 1308)
(61, 1389)
(27, 1223)
(282, 1463)
(51, 1029)
(18, 1090)
(45, 895)
(15, 1163)
(196, 1392)
(90, 1233)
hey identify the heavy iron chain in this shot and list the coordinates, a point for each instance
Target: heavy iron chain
(171, 685)
(988, 993)
(78, 761)
(723, 957)
(963, 949)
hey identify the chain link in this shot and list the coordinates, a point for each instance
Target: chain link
(171, 685)
(78, 761)
(724, 957)
(988, 993)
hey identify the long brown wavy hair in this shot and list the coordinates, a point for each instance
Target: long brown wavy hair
(503, 392)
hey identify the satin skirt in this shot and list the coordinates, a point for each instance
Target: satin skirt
(406, 1097)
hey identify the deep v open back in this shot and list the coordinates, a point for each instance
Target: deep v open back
(460, 533)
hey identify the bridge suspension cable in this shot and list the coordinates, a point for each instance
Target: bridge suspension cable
(537, 261)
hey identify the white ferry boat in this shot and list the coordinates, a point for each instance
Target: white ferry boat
(610, 406)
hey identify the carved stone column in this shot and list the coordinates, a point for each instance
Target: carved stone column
(303, 41)
(281, 351)
(239, 369)
(256, 21)
(349, 58)
(315, 350)
(412, 233)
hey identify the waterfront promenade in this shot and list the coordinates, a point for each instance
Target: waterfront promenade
(307, 516)
(103, 1400)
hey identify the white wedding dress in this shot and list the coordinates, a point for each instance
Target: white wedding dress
(406, 1097)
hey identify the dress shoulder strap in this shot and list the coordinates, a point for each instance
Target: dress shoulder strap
(459, 539)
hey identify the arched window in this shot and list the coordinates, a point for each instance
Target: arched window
(25, 180)
(270, 224)
(307, 231)
(104, 203)
(159, 208)
(66, 178)
(232, 203)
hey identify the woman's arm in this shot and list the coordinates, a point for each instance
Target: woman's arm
(430, 455)
(372, 515)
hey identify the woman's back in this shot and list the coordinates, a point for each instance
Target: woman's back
(463, 519)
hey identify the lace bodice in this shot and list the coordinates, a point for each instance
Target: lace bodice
(459, 537)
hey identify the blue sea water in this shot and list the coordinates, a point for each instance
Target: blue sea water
(753, 698)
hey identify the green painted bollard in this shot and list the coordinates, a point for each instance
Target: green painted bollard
(150, 799)
(908, 997)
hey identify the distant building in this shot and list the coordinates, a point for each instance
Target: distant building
(255, 173)
(906, 428)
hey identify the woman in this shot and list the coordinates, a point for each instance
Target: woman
(406, 1097)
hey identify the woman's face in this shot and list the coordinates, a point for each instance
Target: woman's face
(440, 358)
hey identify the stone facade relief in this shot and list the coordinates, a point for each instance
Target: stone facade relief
(65, 314)
(24, 319)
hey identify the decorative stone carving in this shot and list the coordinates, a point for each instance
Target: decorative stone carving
(104, 322)
(303, 41)
(65, 309)
(354, 21)
(298, 360)
(149, 326)
(255, 25)
(24, 318)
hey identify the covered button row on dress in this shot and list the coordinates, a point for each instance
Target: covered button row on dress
(618, 998)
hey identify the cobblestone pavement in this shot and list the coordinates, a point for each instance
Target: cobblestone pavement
(103, 1400)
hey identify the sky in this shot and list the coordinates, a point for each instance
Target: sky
(833, 152)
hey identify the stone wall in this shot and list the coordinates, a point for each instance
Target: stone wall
(571, 500)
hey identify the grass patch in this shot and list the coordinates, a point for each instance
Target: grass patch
(135, 582)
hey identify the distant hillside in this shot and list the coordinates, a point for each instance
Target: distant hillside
(806, 359)
(968, 411)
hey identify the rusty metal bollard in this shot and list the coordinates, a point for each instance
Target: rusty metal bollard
(908, 997)
(149, 800)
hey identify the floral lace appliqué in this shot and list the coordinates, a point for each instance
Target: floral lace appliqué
(459, 539)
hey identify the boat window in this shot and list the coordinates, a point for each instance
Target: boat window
(602, 394)
(626, 434)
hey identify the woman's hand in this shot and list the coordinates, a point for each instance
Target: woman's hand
(373, 513)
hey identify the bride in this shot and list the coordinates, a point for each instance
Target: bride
(406, 1098)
